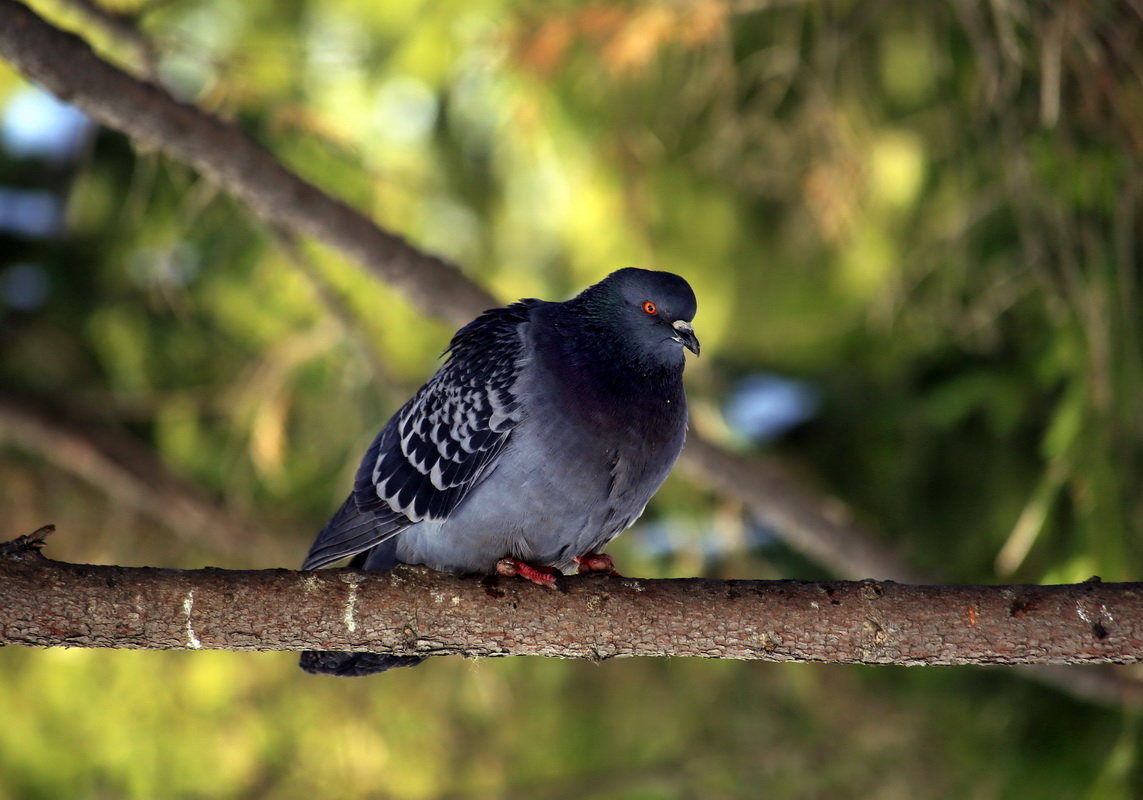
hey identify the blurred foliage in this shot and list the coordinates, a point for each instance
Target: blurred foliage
(929, 211)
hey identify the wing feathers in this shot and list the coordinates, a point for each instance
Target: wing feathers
(441, 444)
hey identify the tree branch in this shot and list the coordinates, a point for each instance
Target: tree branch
(131, 473)
(68, 67)
(414, 610)
(806, 521)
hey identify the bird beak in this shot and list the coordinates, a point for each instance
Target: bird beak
(685, 335)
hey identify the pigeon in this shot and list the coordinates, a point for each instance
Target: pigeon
(539, 440)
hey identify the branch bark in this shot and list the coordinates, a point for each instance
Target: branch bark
(413, 610)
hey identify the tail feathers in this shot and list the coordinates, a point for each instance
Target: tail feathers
(332, 662)
(352, 530)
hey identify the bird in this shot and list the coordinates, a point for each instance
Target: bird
(540, 439)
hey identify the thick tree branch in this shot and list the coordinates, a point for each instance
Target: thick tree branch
(67, 66)
(413, 610)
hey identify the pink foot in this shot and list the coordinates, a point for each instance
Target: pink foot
(597, 562)
(541, 576)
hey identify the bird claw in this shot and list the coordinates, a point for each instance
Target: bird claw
(597, 562)
(547, 577)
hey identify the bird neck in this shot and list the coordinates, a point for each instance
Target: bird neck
(598, 365)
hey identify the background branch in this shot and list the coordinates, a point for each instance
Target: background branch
(67, 66)
(413, 610)
(129, 471)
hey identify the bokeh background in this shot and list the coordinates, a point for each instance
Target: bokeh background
(914, 232)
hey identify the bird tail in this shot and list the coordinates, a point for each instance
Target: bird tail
(380, 557)
(333, 662)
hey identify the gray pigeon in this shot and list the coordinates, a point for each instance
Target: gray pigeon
(540, 439)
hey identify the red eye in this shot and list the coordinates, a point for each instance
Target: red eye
(649, 307)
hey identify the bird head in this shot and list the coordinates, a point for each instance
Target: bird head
(652, 310)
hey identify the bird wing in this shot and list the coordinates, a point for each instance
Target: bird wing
(441, 444)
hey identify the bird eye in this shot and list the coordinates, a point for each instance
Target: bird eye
(649, 307)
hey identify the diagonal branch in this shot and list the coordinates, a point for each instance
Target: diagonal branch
(66, 65)
(804, 520)
(129, 472)
(413, 610)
